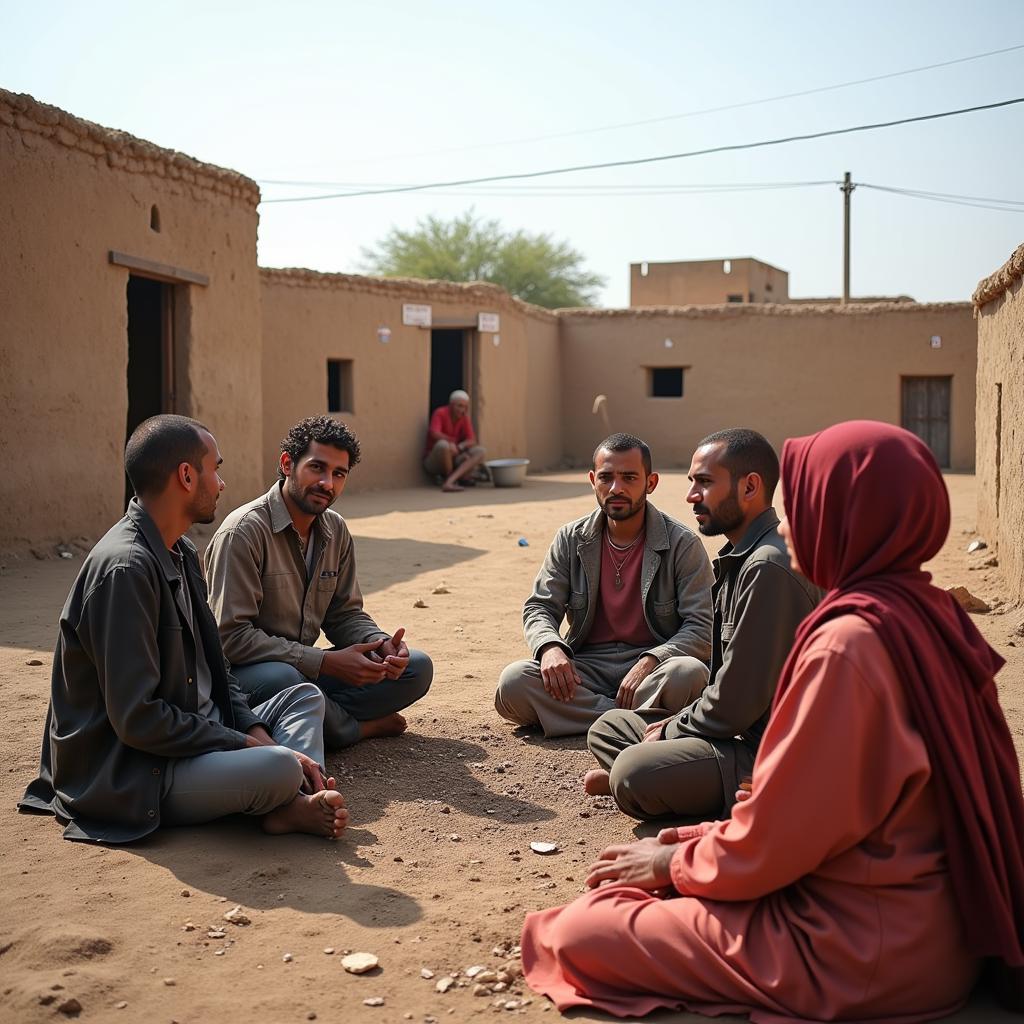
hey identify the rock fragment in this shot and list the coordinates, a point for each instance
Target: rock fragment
(70, 1007)
(426, 972)
(236, 915)
(374, 1001)
(420, 603)
(967, 600)
(360, 963)
(444, 984)
(287, 958)
(33, 661)
(976, 545)
(544, 848)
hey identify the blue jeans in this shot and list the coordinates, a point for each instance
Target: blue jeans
(347, 705)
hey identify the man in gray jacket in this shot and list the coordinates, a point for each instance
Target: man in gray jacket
(145, 725)
(693, 763)
(635, 588)
(283, 567)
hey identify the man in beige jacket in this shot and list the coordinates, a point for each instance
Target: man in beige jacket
(635, 588)
(281, 568)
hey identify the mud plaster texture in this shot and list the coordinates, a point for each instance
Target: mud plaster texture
(435, 871)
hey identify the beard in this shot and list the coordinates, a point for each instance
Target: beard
(204, 507)
(727, 516)
(626, 511)
(304, 497)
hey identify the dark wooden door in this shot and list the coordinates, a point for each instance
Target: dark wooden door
(926, 413)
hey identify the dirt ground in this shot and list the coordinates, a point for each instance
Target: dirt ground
(435, 872)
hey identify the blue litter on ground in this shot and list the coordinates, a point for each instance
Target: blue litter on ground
(523, 542)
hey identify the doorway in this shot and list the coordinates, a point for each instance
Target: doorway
(447, 365)
(150, 353)
(925, 412)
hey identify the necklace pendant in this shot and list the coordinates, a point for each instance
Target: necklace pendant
(618, 581)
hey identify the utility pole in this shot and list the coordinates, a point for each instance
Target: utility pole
(846, 188)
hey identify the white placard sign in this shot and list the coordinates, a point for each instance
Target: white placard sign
(488, 323)
(414, 315)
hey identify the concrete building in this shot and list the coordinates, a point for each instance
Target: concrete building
(129, 285)
(706, 283)
(999, 301)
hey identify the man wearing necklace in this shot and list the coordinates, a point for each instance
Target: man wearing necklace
(635, 588)
(281, 568)
(692, 764)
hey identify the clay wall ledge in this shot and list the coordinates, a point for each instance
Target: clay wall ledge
(120, 150)
(996, 285)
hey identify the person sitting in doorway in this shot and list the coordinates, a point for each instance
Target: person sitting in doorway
(283, 567)
(635, 587)
(452, 453)
(145, 726)
(693, 764)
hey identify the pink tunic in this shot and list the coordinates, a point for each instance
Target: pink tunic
(826, 895)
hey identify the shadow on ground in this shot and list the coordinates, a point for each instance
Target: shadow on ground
(234, 859)
(432, 770)
(383, 562)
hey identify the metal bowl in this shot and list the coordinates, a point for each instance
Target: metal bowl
(508, 472)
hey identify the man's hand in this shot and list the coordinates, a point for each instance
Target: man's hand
(558, 673)
(354, 665)
(655, 730)
(257, 736)
(393, 654)
(626, 697)
(644, 864)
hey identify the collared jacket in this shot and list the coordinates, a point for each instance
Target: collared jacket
(265, 607)
(123, 695)
(675, 587)
(759, 603)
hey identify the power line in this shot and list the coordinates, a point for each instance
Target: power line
(977, 202)
(686, 114)
(650, 159)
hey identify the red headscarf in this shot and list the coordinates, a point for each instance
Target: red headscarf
(867, 506)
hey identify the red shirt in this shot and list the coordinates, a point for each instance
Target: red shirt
(619, 617)
(441, 423)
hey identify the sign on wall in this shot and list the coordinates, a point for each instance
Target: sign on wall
(489, 323)
(414, 315)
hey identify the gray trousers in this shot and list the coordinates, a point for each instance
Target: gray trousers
(253, 780)
(347, 706)
(677, 778)
(521, 697)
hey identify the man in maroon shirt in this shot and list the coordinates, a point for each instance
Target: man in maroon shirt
(451, 451)
(635, 588)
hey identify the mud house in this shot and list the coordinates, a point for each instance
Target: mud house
(999, 301)
(129, 285)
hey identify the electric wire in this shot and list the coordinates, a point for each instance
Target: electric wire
(734, 147)
(678, 117)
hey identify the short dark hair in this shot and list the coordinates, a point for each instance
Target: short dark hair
(625, 443)
(747, 451)
(319, 430)
(158, 446)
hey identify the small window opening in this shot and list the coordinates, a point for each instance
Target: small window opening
(734, 298)
(727, 266)
(339, 385)
(644, 269)
(768, 286)
(665, 382)
(154, 218)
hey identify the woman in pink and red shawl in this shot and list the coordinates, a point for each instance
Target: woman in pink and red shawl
(877, 863)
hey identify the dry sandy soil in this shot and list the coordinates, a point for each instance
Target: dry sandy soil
(436, 870)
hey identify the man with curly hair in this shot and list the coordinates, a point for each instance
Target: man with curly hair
(281, 568)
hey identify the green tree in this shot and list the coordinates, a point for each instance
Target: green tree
(535, 268)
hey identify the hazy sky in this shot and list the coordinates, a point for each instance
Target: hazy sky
(409, 92)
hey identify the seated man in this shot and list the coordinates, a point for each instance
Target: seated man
(635, 586)
(283, 567)
(692, 764)
(145, 725)
(451, 451)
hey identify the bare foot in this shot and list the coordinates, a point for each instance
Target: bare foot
(389, 725)
(595, 782)
(322, 814)
(451, 488)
